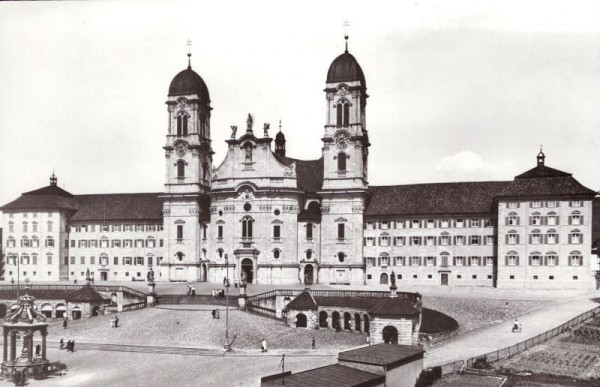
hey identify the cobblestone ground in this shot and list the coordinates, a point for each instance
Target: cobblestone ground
(197, 328)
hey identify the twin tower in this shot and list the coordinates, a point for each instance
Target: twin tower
(251, 214)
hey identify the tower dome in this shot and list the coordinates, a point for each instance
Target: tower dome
(345, 68)
(189, 82)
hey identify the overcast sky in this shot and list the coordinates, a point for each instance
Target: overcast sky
(459, 91)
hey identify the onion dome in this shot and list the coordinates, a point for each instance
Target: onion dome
(189, 82)
(345, 68)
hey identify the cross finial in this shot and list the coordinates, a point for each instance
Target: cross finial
(189, 53)
(280, 125)
(346, 24)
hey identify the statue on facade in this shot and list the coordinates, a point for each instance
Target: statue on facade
(244, 279)
(249, 122)
(248, 148)
(266, 127)
(150, 276)
(233, 131)
(393, 279)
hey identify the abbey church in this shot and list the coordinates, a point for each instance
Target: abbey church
(281, 220)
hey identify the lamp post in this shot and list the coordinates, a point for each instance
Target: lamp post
(227, 345)
(18, 275)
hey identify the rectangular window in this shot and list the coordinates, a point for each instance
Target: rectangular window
(117, 227)
(535, 260)
(475, 222)
(445, 240)
(400, 241)
(430, 241)
(460, 223)
(512, 205)
(552, 239)
(576, 203)
(552, 204)
(575, 238)
(384, 241)
(385, 261)
(369, 241)
(84, 228)
(535, 220)
(512, 260)
(104, 243)
(536, 204)
(400, 261)
(384, 225)
(444, 223)
(475, 240)
(139, 261)
(127, 260)
(415, 223)
(179, 232)
(49, 242)
(489, 223)
(139, 243)
(49, 259)
(151, 227)
(93, 243)
(370, 225)
(276, 232)
(430, 223)
(576, 260)
(104, 228)
(489, 239)
(460, 261)
(116, 243)
(370, 261)
(474, 261)
(489, 261)
(92, 260)
(115, 260)
(536, 239)
(139, 227)
(551, 260)
(415, 261)
(127, 243)
(400, 224)
(576, 220)
(513, 239)
(430, 261)
(552, 220)
(127, 227)
(341, 231)
(415, 241)
(220, 232)
(459, 240)
(512, 220)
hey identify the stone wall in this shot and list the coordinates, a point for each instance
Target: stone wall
(312, 318)
(404, 326)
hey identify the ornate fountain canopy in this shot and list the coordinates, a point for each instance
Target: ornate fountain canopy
(25, 313)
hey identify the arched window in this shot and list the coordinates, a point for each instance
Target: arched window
(309, 254)
(341, 162)
(179, 256)
(220, 253)
(276, 253)
(179, 126)
(182, 125)
(343, 113)
(180, 169)
(185, 125)
(247, 227)
(205, 172)
(341, 256)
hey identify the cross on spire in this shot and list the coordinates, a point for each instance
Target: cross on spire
(346, 24)
(189, 53)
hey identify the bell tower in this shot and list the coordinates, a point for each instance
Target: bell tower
(188, 159)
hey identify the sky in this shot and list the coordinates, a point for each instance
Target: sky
(459, 90)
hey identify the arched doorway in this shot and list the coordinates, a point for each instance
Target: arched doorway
(347, 321)
(300, 320)
(366, 319)
(357, 322)
(47, 310)
(95, 311)
(383, 279)
(113, 298)
(76, 313)
(308, 274)
(247, 267)
(335, 321)
(390, 335)
(323, 320)
(61, 311)
(2, 310)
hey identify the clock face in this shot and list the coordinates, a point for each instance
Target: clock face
(341, 139)
(181, 148)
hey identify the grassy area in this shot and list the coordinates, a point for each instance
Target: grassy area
(573, 354)
(436, 322)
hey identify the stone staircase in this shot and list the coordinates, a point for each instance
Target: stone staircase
(199, 299)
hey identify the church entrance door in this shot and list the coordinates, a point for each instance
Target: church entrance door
(247, 267)
(308, 274)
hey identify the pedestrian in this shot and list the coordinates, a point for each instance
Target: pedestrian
(112, 322)
(189, 289)
(38, 349)
(369, 339)
(263, 345)
(69, 345)
(116, 321)
(217, 313)
(62, 344)
(213, 293)
(64, 323)
(314, 342)
(235, 283)
(224, 281)
(72, 345)
(213, 313)
(515, 327)
(193, 290)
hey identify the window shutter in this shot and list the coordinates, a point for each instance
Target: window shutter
(409, 261)
(410, 241)
(544, 220)
(545, 238)
(556, 260)
(557, 241)
(530, 238)
(434, 241)
(454, 261)
(545, 261)
(35, 259)
(439, 240)
(378, 241)
(569, 259)
(530, 260)
(531, 220)
(434, 261)
(364, 241)
(420, 261)
(506, 260)
(517, 260)
(506, 221)
(570, 220)
(580, 261)
(557, 220)
(469, 261)
(570, 238)
(518, 221)
(378, 261)
(518, 239)
(581, 220)
(506, 239)
(394, 241)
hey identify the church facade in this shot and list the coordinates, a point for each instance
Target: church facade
(282, 220)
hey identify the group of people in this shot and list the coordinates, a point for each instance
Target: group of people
(215, 313)
(191, 290)
(216, 293)
(70, 345)
(114, 322)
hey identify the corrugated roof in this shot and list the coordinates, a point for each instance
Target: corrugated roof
(434, 198)
(381, 354)
(329, 376)
(129, 206)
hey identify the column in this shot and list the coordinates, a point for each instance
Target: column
(255, 269)
(13, 346)
(5, 349)
(44, 333)
(29, 342)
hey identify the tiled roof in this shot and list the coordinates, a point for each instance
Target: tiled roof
(545, 186)
(381, 354)
(133, 206)
(386, 306)
(329, 376)
(309, 172)
(85, 294)
(40, 295)
(304, 301)
(434, 198)
(542, 171)
(50, 197)
(595, 222)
